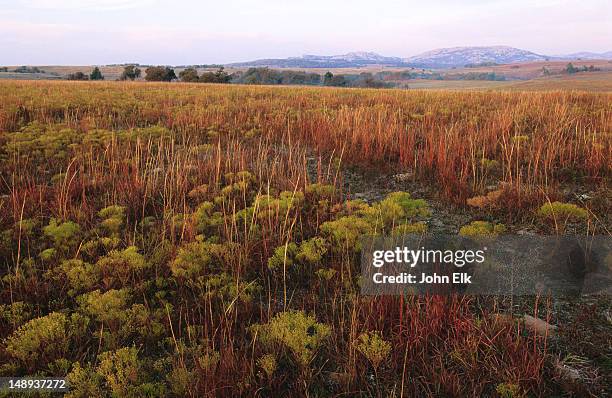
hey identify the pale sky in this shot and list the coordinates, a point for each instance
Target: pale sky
(85, 32)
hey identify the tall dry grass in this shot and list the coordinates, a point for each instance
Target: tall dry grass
(146, 147)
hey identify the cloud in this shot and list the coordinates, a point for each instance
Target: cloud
(18, 31)
(83, 44)
(92, 5)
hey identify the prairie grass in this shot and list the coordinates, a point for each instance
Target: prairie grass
(172, 239)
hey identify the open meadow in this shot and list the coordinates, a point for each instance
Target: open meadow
(162, 239)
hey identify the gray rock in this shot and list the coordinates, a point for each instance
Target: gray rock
(403, 176)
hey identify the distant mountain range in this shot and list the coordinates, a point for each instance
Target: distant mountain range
(441, 58)
(350, 60)
(461, 56)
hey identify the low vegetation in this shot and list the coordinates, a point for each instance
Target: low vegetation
(200, 240)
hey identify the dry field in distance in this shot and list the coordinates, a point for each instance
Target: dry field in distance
(532, 70)
(523, 76)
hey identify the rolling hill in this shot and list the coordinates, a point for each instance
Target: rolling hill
(443, 58)
(461, 56)
(350, 60)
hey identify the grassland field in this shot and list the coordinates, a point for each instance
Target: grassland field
(163, 239)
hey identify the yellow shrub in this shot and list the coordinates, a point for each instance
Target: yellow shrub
(295, 330)
(562, 211)
(268, 364)
(482, 228)
(120, 369)
(41, 339)
(373, 347)
(405, 229)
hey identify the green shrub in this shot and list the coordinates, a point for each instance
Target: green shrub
(64, 235)
(405, 229)
(482, 228)
(48, 254)
(268, 364)
(209, 360)
(489, 164)
(399, 207)
(269, 206)
(361, 219)
(84, 382)
(320, 191)
(15, 314)
(352, 207)
(294, 330)
(120, 370)
(26, 226)
(179, 221)
(205, 219)
(81, 276)
(238, 184)
(311, 251)
(93, 248)
(283, 256)
(508, 390)
(121, 265)
(562, 211)
(245, 215)
(199, 192)
(197, 258)
(40, 341)
(326, 274)
(373, 347)
(113, 218)
(118, 322)
(241, 176)
(345, 232)
(180, 380)
(520, 139)
(60, 367)
(7, 240)
(227, 289)
(108, 307)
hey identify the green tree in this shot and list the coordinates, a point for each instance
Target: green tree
(27, 69)
(189, 75)
(159, 74)
(327, 78)
(220, 76)
(77, 76)
(130, 72)
(570, 68)
(338, 81)
(96, 74)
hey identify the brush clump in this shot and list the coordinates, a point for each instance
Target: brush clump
(482, 228)
(301, 334)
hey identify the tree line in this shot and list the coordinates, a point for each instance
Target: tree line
(289, 77)
(95, 74)
(571, 69)
(259, 75)
(23, 69)
(267, 76)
